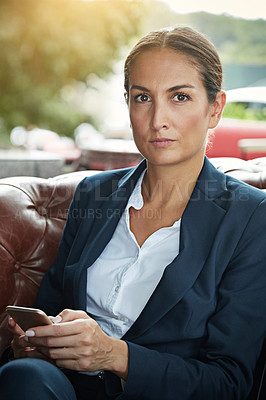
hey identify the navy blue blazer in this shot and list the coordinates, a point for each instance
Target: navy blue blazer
(201, 332)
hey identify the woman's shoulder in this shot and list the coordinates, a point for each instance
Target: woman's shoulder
(238, 199)
(242, 191)
(243, 202)
(101, 185)
(110, 178)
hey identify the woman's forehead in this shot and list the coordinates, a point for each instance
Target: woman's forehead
(163, 65)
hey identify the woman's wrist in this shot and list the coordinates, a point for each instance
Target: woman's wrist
(119, 358)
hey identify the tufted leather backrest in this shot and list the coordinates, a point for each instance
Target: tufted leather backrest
(252, 172)
(32, 216)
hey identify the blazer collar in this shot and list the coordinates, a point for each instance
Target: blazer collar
(111, 210)
(210, 181)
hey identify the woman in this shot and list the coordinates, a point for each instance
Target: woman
(166, 260)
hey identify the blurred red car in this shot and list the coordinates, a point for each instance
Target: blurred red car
(238, 138)
(241, 138)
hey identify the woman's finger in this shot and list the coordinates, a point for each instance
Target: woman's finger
(21, 341)
(68, 315)
(14, 327)
(73, 327)
(52, 341)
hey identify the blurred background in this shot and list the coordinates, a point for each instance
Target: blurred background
(61, 78)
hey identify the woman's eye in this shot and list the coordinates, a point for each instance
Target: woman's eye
(142, 98)
(181, 97)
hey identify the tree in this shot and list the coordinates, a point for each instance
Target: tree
(48, 44)
(237, 40)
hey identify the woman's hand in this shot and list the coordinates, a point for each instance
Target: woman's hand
(20, 346)
(77, 342)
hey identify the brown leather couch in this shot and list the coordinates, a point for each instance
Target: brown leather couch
(32, 215)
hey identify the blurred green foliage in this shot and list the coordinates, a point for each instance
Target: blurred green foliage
(241, 111)
(237, 40)
(49, 44)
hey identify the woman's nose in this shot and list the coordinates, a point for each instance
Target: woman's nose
(159, 118)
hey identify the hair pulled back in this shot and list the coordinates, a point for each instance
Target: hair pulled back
(188, 41)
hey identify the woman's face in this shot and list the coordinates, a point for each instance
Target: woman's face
(169, 109)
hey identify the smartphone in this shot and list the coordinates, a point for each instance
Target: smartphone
(27, 317)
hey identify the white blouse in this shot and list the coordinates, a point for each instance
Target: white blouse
(123, 278)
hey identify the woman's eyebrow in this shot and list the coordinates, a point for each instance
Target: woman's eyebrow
(179, 87)
(170, 90)
(139, 88)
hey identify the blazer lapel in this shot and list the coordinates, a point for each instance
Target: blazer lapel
(110, 213)
(199, 223)
(101, 233)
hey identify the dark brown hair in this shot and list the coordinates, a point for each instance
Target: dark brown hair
(185, 40)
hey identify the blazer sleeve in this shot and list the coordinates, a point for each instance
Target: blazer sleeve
(50, 296)
(225, 365)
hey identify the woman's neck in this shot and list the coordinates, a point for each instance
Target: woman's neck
(170, 185)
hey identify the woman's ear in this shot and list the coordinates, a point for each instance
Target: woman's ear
(217, 109)
(126, 97)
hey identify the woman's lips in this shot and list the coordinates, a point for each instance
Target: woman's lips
(162, 142)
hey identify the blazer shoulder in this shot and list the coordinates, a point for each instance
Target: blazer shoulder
(110, 179)
(243, 191)
(243, 202)
(228, 192)
(93, 190)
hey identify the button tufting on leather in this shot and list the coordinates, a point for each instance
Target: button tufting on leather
(42, 211)
(17, 266)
